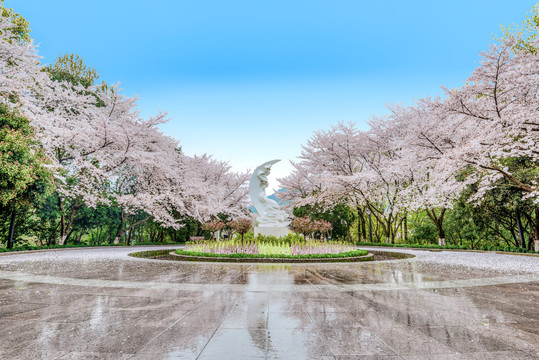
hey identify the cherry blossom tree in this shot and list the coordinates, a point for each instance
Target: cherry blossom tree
(420, 145)
(355, 167)
(307, 226)
(302, 225)
(497, 109)
(327, 155)
(241, 226)
(324, 227)
(213, 226)
(104, 153)
(210, 188)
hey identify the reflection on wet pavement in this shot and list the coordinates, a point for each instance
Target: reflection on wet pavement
(102, 304)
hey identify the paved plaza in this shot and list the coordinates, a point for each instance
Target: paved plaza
(102, 304)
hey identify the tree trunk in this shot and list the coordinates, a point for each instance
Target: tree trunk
(11, 230)
(364, 227)
(360, 225)
(140, 233)
(128, 240)
(122, 231)
(535, 231)
(358, 229)
(120, 228)
(390, 233)
(61, 240)
(69, 233)
(438, 221)
(441, 234)
(406, 227)
(52, 237)
(66, 228)
(522, 241)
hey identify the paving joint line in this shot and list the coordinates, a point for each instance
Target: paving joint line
(312, 321)
(220, 324)
(177, 321)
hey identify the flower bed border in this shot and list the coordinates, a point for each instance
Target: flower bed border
(159, 254)
(368, 257)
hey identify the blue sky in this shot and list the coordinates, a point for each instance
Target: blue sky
(249, 81)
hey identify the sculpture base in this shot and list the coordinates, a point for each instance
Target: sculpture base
(277, 231)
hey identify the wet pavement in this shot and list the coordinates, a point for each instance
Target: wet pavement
(103, 304)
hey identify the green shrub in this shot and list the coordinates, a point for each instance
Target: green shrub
(424, 232)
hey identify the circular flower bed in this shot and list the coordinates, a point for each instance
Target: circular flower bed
(272, 251)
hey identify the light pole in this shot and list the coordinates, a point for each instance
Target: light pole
(370, 224)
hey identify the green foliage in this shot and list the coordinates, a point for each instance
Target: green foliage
(21, 159)
(71, 68)
(424, 231)
(341, 217)
(526, 34)
(21, 27)
(491, 222)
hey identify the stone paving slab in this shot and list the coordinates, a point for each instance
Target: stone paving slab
(102, 304)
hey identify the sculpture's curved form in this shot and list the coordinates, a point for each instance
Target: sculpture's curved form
(268, 209)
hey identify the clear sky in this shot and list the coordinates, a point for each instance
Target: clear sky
(249, 81)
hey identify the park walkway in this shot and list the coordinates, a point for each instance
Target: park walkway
(103, 304)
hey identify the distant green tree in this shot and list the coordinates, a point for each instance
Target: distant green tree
(71, 68)
(22, 164)
(526, 34)
(341, 217)
(424, 230)
(21, 26)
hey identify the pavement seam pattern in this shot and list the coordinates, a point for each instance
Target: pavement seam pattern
(312, 320)
(361, 326)
(180, 319)
(267, 324)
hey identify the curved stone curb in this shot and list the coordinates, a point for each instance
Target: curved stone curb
(368, 257)
(398, 255)
(176, 257)
(172, 256)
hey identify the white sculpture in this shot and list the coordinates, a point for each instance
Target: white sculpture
(268, 209)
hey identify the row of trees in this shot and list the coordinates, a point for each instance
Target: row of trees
(217, 225)
(76, 157)
(310, 227)
(473, 151)
(78, 163)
